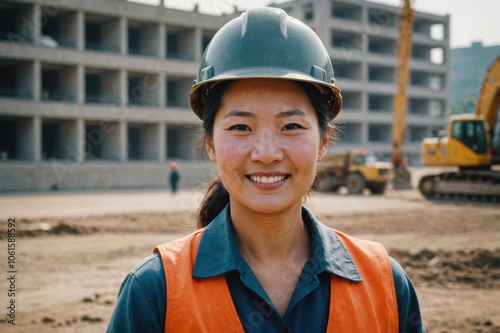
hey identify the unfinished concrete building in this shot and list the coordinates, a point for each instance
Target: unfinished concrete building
(93, 94)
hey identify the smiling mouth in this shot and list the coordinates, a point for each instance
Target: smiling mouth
(267, 180)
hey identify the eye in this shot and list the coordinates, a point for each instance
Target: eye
(239, 127)
(289, 127)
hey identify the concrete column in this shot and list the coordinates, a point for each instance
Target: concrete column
(162, 41)
(161, 142)
(123, 36)
(162, 78)
(446, 63)
(322, 17)
(36, 18)
(198, 41)
(80, 30)
(80, 140)
(80, 84)
(364, 72)
(165, 140)
(123, 141)
(123, 87)
(37, 80)
(364, 133)
(364, 102)
(364, 23)
(37, 147)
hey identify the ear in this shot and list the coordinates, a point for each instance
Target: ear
(209, 144)
(323, 145)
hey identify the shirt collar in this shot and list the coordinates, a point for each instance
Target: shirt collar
(218, 252)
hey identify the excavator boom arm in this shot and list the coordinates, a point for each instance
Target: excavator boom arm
(406, 19)
(489, 96)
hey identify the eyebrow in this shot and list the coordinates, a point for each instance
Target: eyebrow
(294, 112)
(284, 114)
(238, 113)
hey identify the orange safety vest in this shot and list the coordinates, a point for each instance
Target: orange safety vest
(205, 305)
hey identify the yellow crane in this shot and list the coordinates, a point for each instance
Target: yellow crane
(472, 145)
(402, 175)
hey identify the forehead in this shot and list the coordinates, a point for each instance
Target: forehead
(265, 92)
(276, 85)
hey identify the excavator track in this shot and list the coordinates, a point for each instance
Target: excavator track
(483, 185)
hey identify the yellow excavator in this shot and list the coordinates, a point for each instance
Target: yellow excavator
(472, 145)
(401, 174)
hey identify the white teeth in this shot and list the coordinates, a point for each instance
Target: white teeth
(267, 180)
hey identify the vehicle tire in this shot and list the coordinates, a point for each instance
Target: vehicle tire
(426, 186)
(377, 188)
(355, 183)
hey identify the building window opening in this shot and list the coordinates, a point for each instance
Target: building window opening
(92, 88)
(12, 25)
(93, 142)
(8, 140)
(181, 142)
(16, 79)
(380, 103)
(143, 38)
(51, 141)
(380, 133)
(133, 143)
(50, 85)
(102, 34)
(173, 140)
(180, 43)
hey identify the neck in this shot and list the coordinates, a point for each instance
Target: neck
(269, 237)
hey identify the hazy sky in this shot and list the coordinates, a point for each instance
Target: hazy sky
(471, 20)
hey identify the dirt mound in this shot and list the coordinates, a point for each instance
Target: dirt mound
(478, 268)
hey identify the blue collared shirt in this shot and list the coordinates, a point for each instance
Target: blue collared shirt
(141, 300)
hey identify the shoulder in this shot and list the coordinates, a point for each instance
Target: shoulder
(148, 278)
(141, 301)
(401, 280)
(410, 317)
(150, 268)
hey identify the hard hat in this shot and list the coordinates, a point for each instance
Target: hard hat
(265, 43)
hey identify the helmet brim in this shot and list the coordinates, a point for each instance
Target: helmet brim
(334, 98)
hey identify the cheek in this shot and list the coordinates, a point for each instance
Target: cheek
(305, 149)
(229, 150)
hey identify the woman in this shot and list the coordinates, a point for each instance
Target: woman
(260, 261)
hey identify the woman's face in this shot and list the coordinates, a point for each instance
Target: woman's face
(266, 143)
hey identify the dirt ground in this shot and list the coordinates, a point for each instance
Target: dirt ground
(74, 249)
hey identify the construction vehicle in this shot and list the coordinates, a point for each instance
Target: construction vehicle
(355, 170)
(472, 145)
(402, 176)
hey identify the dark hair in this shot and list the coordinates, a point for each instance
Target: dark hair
(217, 197)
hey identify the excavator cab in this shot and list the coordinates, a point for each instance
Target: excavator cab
(470, 147)
(467, 144)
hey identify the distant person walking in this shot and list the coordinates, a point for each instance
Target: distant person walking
(174, 176)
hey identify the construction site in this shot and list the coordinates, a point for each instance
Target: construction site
(85, 150)
(75, 249)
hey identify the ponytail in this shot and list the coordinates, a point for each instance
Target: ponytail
(214, 201)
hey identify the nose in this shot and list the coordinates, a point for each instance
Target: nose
(267, 148)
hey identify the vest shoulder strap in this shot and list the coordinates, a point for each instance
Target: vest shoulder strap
(205, 305)
(370, 305)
